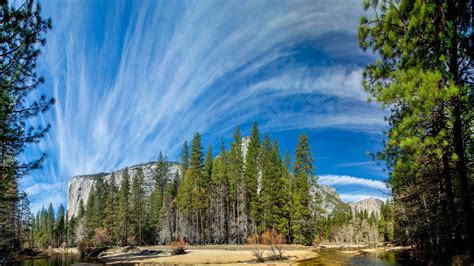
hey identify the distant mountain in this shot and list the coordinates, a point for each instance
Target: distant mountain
(80, 187)
(330, 200)
(370, 205)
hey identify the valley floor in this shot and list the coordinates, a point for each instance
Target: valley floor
(209, 254)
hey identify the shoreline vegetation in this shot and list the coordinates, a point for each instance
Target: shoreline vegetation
(224, 254)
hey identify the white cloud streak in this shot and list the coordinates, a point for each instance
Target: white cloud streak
(143, 77)
(343, 180)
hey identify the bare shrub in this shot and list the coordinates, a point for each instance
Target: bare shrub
(64, 245)
(317, 240)
(101, 237)
(84, 246)
(276, 241)
(178, 246)
(257, 249)
(132, 241)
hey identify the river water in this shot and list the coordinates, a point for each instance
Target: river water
(338, 257)
(327, 257)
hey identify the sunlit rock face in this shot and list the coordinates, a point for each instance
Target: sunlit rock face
(330, 200)
(371, 205)
(80, 186)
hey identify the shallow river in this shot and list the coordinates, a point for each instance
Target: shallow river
(327, 257)
(338, 257)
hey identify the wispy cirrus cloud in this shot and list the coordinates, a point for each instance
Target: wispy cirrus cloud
(141, 77)
(333, 180)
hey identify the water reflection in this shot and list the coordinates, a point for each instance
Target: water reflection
(329, 257)
(57, 259)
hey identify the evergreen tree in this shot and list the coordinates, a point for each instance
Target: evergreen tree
(424, 75)
(50, 225)
(61, 225)
(137, 204)
(111, 210)
(301, 181)
(155, 204)
(92, 213)
(161, 171)
(266, 192)
(21, 37)
(219, 202)
(101, 195)
(238, 190)
(207, 169)
(124, 207)
(167, 213)
(199, 192)
(191, 195)
(184, 158)
(252, 173)
(156, 198)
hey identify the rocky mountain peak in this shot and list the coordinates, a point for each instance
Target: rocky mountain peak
(370, 205)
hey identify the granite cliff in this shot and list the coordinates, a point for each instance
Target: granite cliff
(80, 186)
(370, 205)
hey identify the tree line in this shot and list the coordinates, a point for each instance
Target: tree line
(221, 199)
(245, 190)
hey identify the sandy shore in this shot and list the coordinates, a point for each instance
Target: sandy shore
(361, 248)
(72, 250)
(222, 255)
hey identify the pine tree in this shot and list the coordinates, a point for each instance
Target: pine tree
(283, 196)
(111, 210)
(137, 205)
(302, 179)
(192, 195)
(167, 214)
(50, 225)
(185, 205)
(161, 171)
(92, 213)
(219, 202)
(424, 75)
(199, 185)
(21, 37)
(252, 172)
(266, 203)
(184, 158)
(238, 190)
(155, 205)
(207, 188)
(274, 195)
(207, 175)
(124, 207)
(101, 195)
(61, 225)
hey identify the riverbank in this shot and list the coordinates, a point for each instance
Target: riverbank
(212, 254)
(71, 250)
(355, 249)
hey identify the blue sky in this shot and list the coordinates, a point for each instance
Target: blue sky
(132, 78)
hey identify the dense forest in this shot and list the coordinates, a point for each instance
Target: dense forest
(245, 190)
